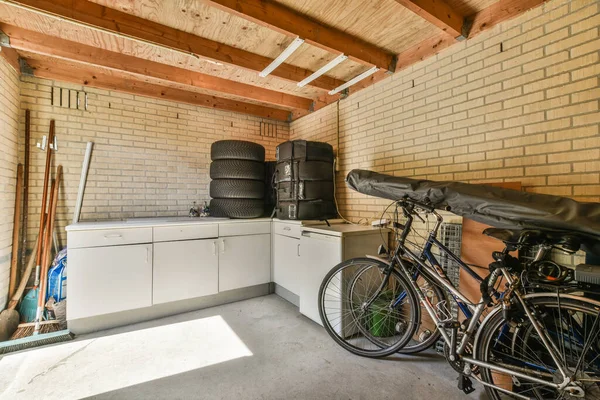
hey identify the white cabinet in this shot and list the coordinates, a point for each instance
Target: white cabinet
(105, 280)
(286, 262)
(319, 253)
(244, 261)
(185, 270)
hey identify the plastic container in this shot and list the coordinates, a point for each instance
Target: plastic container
(57, 277)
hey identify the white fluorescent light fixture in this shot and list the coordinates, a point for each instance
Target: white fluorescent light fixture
(352, 81)
(282, 57)
(331, 64)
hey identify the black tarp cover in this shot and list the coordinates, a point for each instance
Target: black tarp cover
(495, 206)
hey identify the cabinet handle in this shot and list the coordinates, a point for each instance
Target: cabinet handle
(214, 248)
(298, 250)
(112, 235)
(223, 241)
(147, 254)
(287, 228)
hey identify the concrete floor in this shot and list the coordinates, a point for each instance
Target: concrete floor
(255, 349)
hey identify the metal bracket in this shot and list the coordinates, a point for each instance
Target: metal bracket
(25, 68)
(344, 93)
(393, 64)
(4, 39)
(466, 29)
(312, 107)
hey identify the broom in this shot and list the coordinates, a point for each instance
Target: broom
(40, 332)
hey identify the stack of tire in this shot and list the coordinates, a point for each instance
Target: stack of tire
(237, 189)
(304, 179)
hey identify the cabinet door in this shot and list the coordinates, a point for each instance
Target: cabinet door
(105, 280)
(318, 255)
(286, 260)
(184, 270)
(244, 261)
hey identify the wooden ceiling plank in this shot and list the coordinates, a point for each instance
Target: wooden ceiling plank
(439, 13)
(499, 12)
(136, 28)
(292, 23)
(38, 43)
(90, 76)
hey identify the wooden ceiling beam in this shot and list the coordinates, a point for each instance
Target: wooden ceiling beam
(123, 24)
(499, 12)
(291, 23)
(11, 57)
(38, 43)
(61, 70)
(439, 13)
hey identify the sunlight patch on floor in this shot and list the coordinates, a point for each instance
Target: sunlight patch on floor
(83, 368)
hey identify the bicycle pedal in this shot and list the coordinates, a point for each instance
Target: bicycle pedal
(465, 384)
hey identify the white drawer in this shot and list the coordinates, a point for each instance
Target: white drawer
(108, 237)
(244, 228)
(292, 230)
(185, 232)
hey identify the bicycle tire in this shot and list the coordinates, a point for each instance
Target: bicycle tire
(490, 347)
(343, 335)
(416, 343)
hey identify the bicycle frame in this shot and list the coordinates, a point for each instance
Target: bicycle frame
(474, 312)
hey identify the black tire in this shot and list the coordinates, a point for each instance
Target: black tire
(237, 169)
(509, 343)
(237, 150)
(307, 209)
(306, 190)
(305, 151)
(304, 171)
(237, 189)
(237, 208)
(357, 335)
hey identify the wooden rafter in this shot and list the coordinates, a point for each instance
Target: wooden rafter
(38, 43)
(499, 12)
(112, 80)
(439, 13)
(289, 22)
(120, 23)
(11, 57)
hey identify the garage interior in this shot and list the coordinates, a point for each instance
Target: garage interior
(504, 93)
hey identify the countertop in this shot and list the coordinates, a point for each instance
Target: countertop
(157, 221)
(344, 230)
(337, 228)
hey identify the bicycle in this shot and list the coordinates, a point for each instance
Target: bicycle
(534, 343)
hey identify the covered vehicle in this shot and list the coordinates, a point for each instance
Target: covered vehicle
(491, 205)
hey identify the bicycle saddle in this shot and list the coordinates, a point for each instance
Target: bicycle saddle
(533, 237)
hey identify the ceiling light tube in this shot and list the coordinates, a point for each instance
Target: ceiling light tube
(292, 47)
(354, 80)
(331, 64)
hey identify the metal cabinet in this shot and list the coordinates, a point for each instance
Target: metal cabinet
(185, 270)
(244, 261)
(111, 279)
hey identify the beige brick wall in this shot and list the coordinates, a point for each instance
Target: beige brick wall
(9, 116)
(150, 158)
(517, 103)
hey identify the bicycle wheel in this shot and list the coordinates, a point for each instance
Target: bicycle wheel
(572, 324)
(374, 315)
(426, 333)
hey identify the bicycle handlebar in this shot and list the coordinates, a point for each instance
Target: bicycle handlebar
(426, 205)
